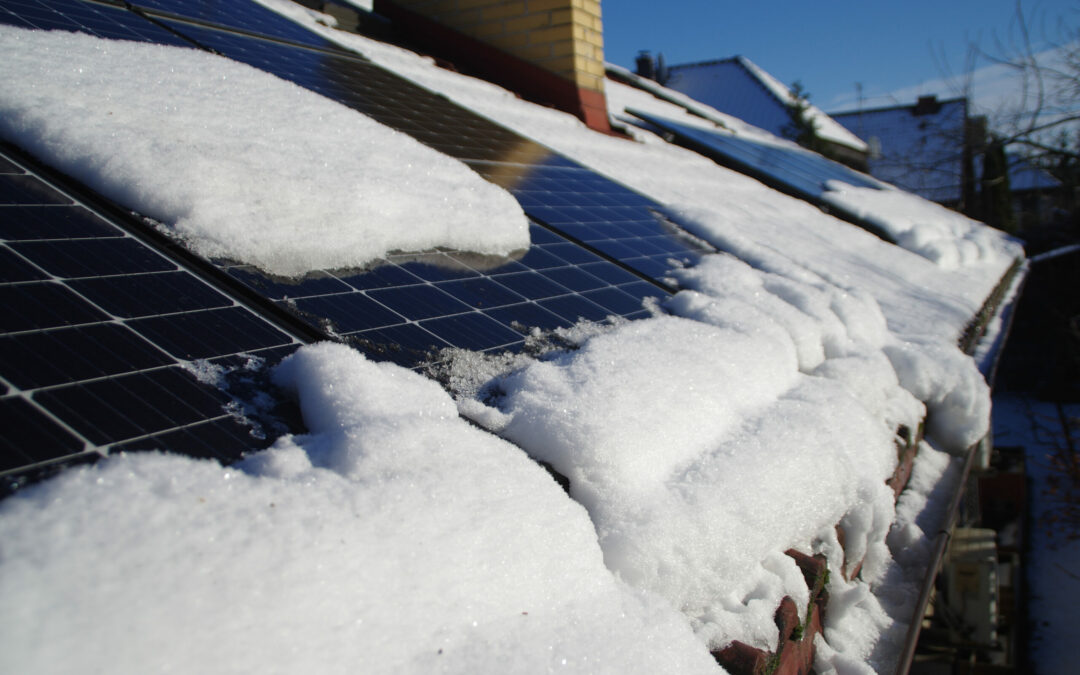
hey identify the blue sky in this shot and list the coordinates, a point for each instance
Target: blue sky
(886, 46)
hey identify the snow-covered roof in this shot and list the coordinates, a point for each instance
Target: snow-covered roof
(916, 148)
(740, 87)
(735, 395)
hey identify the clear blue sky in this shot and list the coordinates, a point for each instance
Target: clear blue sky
(828, 46)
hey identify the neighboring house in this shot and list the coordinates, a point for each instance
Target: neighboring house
(1033, 193)
(741, 88)
(922, 148)
(690, 401)
(935, 148)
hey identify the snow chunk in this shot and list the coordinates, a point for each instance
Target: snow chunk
(956, 395)
(949, 239)
(239, 163)
(701, 454)
(394, 535)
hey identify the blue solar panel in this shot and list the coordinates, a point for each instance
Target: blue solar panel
(800, 170)
(100, 364)
(102, 20)
(95, 330)
(245, 16)
(584, 206)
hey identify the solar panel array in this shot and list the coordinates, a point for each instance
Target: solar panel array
(102, 328)
(96, 328)
(793, 170)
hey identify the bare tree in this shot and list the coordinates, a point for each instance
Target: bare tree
(1044, 119)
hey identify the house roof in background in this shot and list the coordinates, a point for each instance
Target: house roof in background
(740, 87)
(916, 148)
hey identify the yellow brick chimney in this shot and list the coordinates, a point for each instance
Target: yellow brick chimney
(549, 51)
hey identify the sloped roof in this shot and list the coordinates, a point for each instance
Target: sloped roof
(391, 530)
(740, 87)
(917, 149)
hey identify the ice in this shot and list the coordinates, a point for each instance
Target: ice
(394, 536)
(238, 163)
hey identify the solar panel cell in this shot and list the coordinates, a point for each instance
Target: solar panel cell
(15, 189)
(14, 267)
(52, 222)
(30, 437)
(92, 257)
(472, 330)
(43, 305)
(209, 333)
(102, 20)
(41, 359)
(148, 294)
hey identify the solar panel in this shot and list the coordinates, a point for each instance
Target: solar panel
(244, 16)
(96, 331)
(102, 20)
(584, 206)
(796, 169)
(403, 306)
(598, 249)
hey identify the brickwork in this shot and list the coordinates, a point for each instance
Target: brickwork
(564, 37)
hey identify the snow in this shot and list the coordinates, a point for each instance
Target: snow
(238, 163)
(755, 412)
(393, 535)
(948, 238)
(1052, 558)
(730, 210)
(703, 447)
(699, 453)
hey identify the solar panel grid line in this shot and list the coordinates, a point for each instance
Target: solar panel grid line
(565, 309)
(103, 379)
(103, 19)
(250, 19)
(32, 425)
(365, 87)
(158, 245)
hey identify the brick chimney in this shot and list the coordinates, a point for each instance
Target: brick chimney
(548, 51)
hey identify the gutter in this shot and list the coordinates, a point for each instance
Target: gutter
(941, 545)
(994, 303)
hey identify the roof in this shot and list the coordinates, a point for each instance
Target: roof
(1024, 177)
(715, 371)
(740, 87)
(919, 150)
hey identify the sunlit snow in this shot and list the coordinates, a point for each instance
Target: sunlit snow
(394, 537)
(701, 445)
(240, 163)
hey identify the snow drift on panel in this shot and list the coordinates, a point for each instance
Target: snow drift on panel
(240, 163)
(393, 538)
